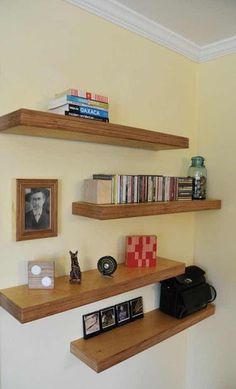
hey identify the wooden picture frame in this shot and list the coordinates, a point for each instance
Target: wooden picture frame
(36, 208)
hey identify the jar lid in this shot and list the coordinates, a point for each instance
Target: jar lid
(198, 160)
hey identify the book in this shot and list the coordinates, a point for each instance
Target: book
(81, 109)
(98, 176)
(54, 103)
(69, 91)
(114, 184)
(185, 188)
(147, 188)
(166, 188)
(160, 188)
(151, 188)
(71, 106)
(85, 94)
(97, 191)
(78, 115)
(135, 189)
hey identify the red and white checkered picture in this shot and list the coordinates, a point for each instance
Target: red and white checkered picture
(141, 250)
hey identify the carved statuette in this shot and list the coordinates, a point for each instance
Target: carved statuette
(75, 273)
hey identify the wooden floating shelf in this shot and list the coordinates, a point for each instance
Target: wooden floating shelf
(117, 211)
(104, 351)
(27, 304)
(50, 125)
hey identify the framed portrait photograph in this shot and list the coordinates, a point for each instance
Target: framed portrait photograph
(36, 208)
(122, 313)
(108, 318)
(91, 324)
(136, 308)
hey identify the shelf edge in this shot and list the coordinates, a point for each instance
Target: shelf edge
(176, 326)
(119, 211)
(70, 300)
(51, 125)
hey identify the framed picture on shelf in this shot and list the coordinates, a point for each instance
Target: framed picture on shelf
(108, 318)
(91, 324)
(136, 308)
(36, 208)
(122, 313)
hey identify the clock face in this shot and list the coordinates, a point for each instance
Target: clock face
(107, 265)
(36, 270)
(46, 281)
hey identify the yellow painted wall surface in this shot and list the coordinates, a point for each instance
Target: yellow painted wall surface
(46, 47)
(212, 347)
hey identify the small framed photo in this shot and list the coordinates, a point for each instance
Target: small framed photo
(108, 318)
(36, 208)
(122, 313)
(136, 308)
(91, 324)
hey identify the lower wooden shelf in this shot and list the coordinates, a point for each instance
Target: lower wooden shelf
(104, 351)
(117, 211)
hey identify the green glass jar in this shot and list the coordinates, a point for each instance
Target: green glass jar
(199, 174)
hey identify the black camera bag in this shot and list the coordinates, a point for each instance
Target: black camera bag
(187, 293)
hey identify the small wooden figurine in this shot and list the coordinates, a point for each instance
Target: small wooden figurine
(75, 273)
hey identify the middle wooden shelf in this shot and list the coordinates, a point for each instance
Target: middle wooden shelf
(27, 304)
(118, 211)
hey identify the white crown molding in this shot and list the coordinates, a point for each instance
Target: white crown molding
(217, 49)
(117, 13)
(123, 16)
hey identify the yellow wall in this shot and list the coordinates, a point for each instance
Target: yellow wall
(46, 47)
(212, 346)
(148, 86)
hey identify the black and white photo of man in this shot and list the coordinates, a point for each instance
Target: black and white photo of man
(37, 212)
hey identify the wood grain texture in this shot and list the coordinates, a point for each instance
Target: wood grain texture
(45, 269)
(26, 304)
(45, 124)
(103, 351)
(117, 211)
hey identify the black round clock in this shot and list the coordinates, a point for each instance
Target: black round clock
(107, 265)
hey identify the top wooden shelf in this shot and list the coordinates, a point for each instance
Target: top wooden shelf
(31, 304)
(50, 125)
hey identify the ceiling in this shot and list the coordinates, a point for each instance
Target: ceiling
(200, 21)
(198, 29)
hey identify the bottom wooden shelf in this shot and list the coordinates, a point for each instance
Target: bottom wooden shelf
(104, 351)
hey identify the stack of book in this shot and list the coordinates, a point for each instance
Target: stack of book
(74, 102)
(185, 188)
(124, 189)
